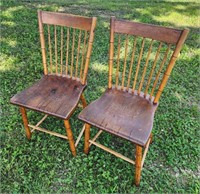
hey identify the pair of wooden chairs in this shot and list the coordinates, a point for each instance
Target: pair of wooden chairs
(141, 59)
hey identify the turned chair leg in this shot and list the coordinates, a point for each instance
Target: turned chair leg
(138, 165)
(151, 136)
(87, 137)
(83, 100)
(25, 121)
(70, 137)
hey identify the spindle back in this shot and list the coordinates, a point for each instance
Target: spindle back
(66, 43)
(142, 56)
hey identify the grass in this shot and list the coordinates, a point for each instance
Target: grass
(45, 164)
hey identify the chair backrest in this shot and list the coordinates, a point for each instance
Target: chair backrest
(66, 43)
(142, 56)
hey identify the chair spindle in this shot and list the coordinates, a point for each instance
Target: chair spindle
(138, 64)
(111, 52)
(50, 48)
(61, 51)
(125, 57)
(67, 51)
(131, 64)
(72, 59)
(56, 50)
(83, 54)
(152, 70)
(145, 68)
(78, 52)
(159, 71)
(118, 60)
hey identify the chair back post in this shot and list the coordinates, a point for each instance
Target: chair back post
(42, 41)
(111, 50)
(171, 64)
(89, 50)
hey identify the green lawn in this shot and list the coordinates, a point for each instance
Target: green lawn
(45, 163)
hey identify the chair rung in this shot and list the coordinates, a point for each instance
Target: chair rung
(41, 121)
(145, 151)
(96, 136)
(112, 152)
(80, 135)
(47, 131)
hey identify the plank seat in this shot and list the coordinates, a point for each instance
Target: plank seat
(54, 95)
(123, 114)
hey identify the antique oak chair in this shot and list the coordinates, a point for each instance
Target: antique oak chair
(66, 44)
(141, 59)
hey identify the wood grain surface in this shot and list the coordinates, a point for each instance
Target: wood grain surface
(54, 95)
(125, 114)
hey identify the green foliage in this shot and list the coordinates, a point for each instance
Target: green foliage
(45, 164)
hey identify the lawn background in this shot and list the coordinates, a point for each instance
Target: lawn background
(45, 164)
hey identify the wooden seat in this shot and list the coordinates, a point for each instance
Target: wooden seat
(66, 44)
(53, 95)
(141, 59)
(123, 114)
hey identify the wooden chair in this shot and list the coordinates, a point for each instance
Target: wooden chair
(66, 44)
(141, 59)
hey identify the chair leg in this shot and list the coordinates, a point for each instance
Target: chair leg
(25, 121)
(83, 100)
(138, 165)
(151, 136)
(70, 137)
(87, 137)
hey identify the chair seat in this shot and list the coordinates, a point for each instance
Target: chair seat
(121, 113)
(54, 95)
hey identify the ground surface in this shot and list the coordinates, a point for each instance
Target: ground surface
(45, 164)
